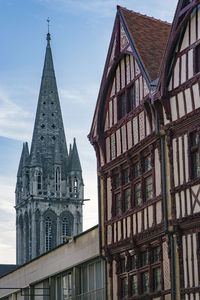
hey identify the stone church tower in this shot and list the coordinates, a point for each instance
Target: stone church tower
(49, 189)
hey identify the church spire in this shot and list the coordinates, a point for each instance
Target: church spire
(48, 128)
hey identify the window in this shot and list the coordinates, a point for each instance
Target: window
(65, 229)
(155, 254)
(144, 282)
(118, 204)
(134, 286)
(75, 185)
(148, 188)
(39, 181)
(67, 286)
(156, 279)
(92, 281)
(135, 280)
(121, 106)
(147, 164)
(133, 185)
(131, 98)
(48, 233)
(124, 287)
(57, 179)
(197, 59)
(138, 198)
(144, 259)
(195, 158)
(127, 198)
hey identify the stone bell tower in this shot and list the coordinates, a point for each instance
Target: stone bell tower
(49, 189)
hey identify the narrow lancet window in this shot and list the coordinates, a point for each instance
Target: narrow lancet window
(57, 179)
(48, 234)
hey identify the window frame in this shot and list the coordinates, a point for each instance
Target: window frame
(138, 269)
(194, 149)
(128, 178)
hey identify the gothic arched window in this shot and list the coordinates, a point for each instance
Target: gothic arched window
(57, 179)
(67, 224)
(50, 226)
(48, 233)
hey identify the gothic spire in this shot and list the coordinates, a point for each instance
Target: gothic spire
(48, 129)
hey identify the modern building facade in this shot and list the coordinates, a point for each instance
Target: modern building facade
(145, 132)
(49, 189)
(71, 271)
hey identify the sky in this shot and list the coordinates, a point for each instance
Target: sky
(80, 35)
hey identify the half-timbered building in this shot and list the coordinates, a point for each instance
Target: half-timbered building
(145, 132)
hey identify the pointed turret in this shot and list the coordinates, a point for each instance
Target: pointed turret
(74, 161)
(24, 160)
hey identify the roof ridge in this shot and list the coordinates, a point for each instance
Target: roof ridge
(142, 15)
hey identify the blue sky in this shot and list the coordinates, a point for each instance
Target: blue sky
(80, 31)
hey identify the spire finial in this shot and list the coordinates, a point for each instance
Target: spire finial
(48, 34)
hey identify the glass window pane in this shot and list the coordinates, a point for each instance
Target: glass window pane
(148, 188)
(127, 196)
(123, 101)
(99, 283)
(126, 177)
(138, 198)
(145, 282)
(67, 285)
(124, 287)
(137, 170)
(117, 181)
(155, 254)
(144, 258)
(84, 280)
(132, 98)
(196, 164)
(156, 279)
(134, 285)
(118, 204)
(133, 262)
(91, 277)
(147, 165)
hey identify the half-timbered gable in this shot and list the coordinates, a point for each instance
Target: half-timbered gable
(179, 94)
(124, 134)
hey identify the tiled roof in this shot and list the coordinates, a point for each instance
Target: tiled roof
(149, 37)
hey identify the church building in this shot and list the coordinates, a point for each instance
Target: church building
(49, 189)
(145, 133)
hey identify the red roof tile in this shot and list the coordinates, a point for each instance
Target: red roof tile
(149, 37)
